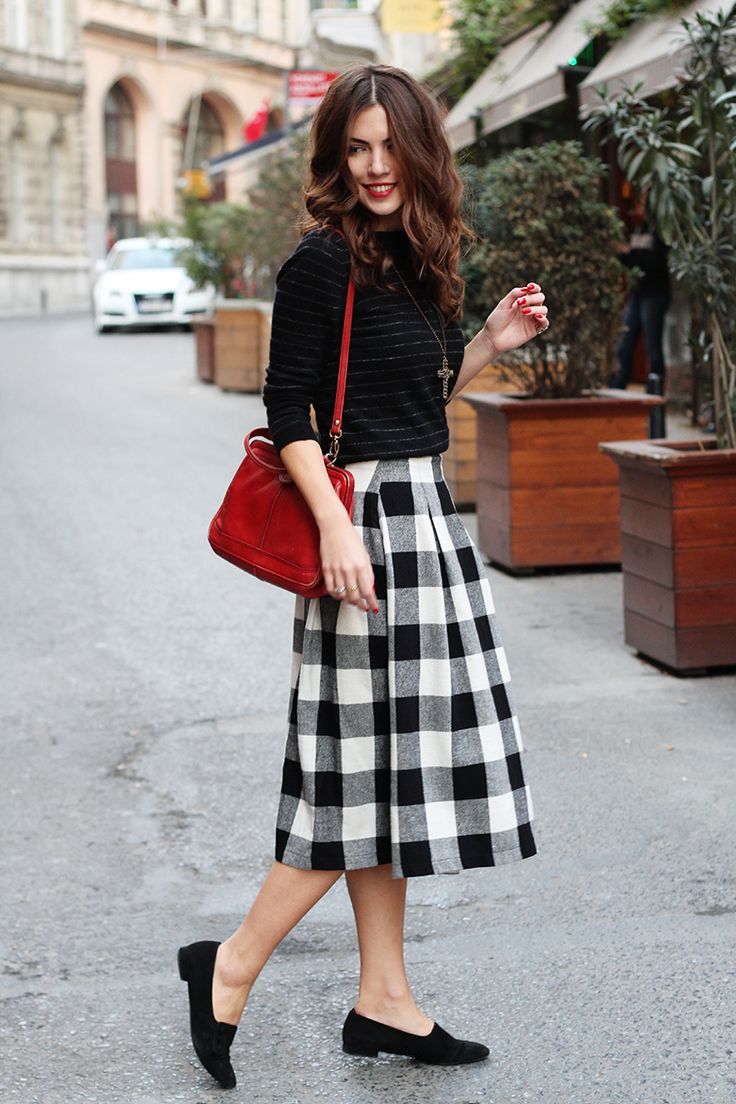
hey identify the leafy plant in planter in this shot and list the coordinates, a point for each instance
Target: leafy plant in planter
(224, 236)
(678, 498)
(239, 247)
(539, 216)
(277, 199)
(546, 496)
(684, 157)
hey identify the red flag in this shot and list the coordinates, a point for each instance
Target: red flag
(255, 128)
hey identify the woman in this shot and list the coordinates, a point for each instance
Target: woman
(403, 754)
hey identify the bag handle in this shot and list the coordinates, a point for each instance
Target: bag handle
(342, 372)
(264, 457)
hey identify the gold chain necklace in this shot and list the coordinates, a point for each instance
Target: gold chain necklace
(445, 373)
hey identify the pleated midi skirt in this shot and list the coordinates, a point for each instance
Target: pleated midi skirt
(403, 746)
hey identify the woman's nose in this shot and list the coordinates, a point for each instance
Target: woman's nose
(378, 163)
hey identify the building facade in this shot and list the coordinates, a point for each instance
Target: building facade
(169, 86)
(43, 254)
(110, 108)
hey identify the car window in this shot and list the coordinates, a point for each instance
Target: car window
(145, 258)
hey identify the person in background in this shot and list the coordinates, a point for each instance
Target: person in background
(648, 300)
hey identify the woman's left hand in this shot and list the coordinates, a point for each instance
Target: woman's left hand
(520, 316)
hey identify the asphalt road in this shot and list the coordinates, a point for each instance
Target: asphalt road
(143, 688)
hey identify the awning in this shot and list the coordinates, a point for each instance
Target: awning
(539, 81)
(652, 53)
(357, 32)
(460, 122)
(253, 151)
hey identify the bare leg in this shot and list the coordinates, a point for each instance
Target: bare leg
(379, 904)
(284, 898)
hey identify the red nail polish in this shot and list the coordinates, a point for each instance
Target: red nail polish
(522, 302)
(540, 317)
(526, 310)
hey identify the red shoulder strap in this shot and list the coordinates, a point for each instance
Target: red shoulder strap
(342, 372)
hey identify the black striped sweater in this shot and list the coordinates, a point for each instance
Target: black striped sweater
(393, 402)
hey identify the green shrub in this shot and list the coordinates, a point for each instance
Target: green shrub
(539, 217)
(277, 197)
(223, 238)
(239, 247)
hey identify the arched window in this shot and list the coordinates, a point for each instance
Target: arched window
(120, 164)
(119, 125)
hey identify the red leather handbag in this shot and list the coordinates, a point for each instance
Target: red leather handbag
(264, 525)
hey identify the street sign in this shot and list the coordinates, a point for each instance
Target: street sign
(195, 183)
(306, 87)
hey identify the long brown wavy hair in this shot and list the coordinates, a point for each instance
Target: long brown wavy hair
(430, 183)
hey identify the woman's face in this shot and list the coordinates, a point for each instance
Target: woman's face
(374, 168)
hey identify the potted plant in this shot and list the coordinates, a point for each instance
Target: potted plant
(233, 348)
(678, 498)
(239, 247)
(545, 495)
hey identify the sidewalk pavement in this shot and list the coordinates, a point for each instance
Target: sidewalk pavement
(143, 698)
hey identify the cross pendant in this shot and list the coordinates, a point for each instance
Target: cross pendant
(445, 373)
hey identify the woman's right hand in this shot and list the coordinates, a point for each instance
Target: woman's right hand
(346, 565)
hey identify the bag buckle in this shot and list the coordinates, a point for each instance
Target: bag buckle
(334, 447)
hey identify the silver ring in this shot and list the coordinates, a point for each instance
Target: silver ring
(341, 590)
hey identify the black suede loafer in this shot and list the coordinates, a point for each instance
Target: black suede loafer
(211, 1039)
(366, 1038)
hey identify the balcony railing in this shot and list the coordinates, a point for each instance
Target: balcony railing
(33, 65)
(213, 30)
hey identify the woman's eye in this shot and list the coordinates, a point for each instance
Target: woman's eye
(355, 149)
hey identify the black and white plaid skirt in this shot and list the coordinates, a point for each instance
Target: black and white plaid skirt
(403, 747)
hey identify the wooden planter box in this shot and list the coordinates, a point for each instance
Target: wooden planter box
(459, 462)
(678, 538)
(241, 343)
(204, 346)
(546, 495)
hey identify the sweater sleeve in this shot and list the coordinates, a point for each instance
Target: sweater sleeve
(307, 313)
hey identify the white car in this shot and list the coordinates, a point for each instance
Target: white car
(142, 282)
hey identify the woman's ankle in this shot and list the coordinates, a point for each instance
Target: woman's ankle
(393, 1011)
(379, 1010)
(233, 968)
(386, 1000)
(382, 991)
